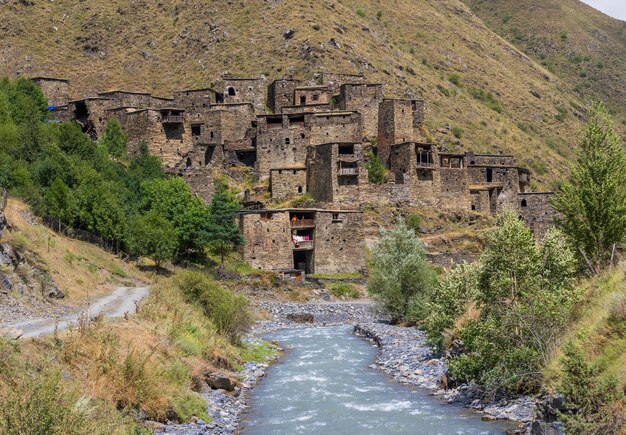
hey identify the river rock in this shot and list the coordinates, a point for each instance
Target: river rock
(301, 317)
(220, 382)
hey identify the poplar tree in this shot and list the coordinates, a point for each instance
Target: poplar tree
(593, 202)
(223, 234)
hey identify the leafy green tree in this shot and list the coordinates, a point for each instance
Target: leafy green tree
(59, 202)
(172, 198)
(399, 274)
(114, 140)
(593, 202)
(72, 140)
(223, 234)
(525, 296)
(152, 236)
(375, 169)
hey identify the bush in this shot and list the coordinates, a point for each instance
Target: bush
(457, 132)
(486, 98)
(360, 13)
(455, 79)
(444, 91)
(41, 406)
(376, 172)
(399, 274)
(342, 289)
(188, 405)
(230, 313)
(594, 405)
(414, 222)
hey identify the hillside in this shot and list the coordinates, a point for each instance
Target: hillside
(494, 98)
(581, 45)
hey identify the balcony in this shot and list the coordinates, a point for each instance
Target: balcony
(172, 119)
(303, 223)
(348, 171)
(303, 245)
(425, 164)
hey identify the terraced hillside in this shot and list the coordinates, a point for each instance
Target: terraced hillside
(482, 92)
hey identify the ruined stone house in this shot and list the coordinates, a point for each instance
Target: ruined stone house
(312, 240)
(56, 91)
(245, 90)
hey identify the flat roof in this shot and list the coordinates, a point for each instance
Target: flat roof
(294, 166)
(197, 90)
(432, 144)
(307, 105)
(361, 84)
(120, 91)
(484, 186)
(301, 210)
(230, 104)
(403, 99)
(311, 87)
(88, 99)
(56, 79)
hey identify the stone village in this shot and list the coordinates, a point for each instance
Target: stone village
(307, 137)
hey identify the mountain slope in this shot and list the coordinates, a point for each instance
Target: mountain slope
(494, 98)
(583, 46)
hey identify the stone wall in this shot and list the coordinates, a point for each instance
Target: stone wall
(320, 172)
(335, 80)
(282, 140)
(333, 127)
(490, 160)
(91, 113)
(363, 98)
(232, 125)
(339, 242)
(196, 100)
(248, 90)
(133, 99)
(308, 108)
(395, 125)
(268, 239)
(56, 91)
(536, 211)
(280, 94)
(311, 95)
(288, 182)
(454, 191)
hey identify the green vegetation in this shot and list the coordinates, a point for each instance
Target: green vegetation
(76, 182)
(457, 132)
(414, 221)
(400, 279)
(344, 290)
(376, 172)
(360, 13)
(562, 113)
(486, 98)
(444, 91)
(593, 202)
(455, 79)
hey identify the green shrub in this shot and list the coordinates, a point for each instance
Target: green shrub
(414, 221)
(343, 289)
(360, 13)
(41, 406)
(186, 336)
(562, 114)
(379, 15)
(486, 98)
(399, 274)
(188, 405)
(376, 172)
(229, 312)
(455, 79)
(457, 132)
(594, 405)
(444, 91)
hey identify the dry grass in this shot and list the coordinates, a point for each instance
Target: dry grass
(160, 47)
(81, 270)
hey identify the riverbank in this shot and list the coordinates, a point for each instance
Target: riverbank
(403, 354)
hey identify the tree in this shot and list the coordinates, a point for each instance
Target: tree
(399, 274)
(59, 202)
(152, 236)
(593, 202)
(223, 235)
(375, 169)
(114, 140)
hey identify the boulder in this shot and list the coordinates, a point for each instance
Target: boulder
(301, 317)
(221, 382)
(54, 293)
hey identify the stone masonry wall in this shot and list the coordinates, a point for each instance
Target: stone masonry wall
(335, 80)
(339, 242)
(363, 98)
(320, 173)
(268, 240)
(281, 143)
(280, 94)
(287, 183)
(536, 211)
(56, 91)
(311, 95)
(252, 90)
(195, 99)
(335, 127)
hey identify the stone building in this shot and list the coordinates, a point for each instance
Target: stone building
(246, 90)
(288, 182)
(535, 210)
(232, 126)
(91, 113)
(334, 80)
(338, 126)
(282, 140)
(415, 165)
(165, 131)
(335, 173)
(280, 93)
(399, 121)
(311, 95)
(56, 91)
(197, 100)
(363, 98)
(134, 99)
(312, 240)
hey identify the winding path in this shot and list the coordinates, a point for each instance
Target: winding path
(122, 300)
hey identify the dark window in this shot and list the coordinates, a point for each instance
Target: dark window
(346, 149)
(211, 134)
(302, 100)
(316, 97)
(489, 175)
(208, 155)
(231, 91)
(299, 188)
(287, 141)
(524, 203)
(196, 130)
(188, 163)
(266, 217)
(336, 217)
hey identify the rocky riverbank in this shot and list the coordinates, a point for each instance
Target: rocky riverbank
(406, 357)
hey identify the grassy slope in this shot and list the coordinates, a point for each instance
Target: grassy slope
(412, 48)
(584, 47)
(81, 270)
(600, 327)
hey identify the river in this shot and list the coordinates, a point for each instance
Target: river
(324, 385)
